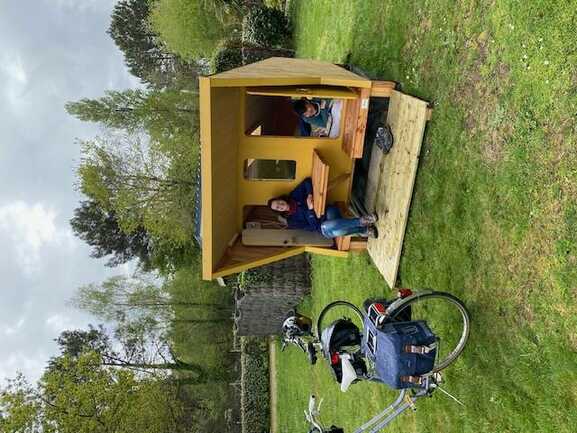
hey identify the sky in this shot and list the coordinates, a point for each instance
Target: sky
(51, 52)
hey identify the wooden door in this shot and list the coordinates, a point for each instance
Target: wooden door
(391, 180)
(320, 180)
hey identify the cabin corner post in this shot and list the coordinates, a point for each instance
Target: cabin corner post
(206, 176)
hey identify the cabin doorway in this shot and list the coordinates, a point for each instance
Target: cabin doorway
(269, 111)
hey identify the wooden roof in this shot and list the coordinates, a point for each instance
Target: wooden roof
(281, 71)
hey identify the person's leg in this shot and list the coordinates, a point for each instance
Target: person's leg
(332, 213)
(342, 227)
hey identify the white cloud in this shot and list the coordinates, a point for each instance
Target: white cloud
(58, 323)
(14, 76)
(12, 330)
(83, 5)
(31, 365)
(29, 228)
(14, 68)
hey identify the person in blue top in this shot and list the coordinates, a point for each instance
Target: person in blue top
(315, 112)
(298, 210)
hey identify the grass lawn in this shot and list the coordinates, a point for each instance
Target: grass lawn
(494, 214)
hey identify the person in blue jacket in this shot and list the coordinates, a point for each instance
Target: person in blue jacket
(298, 210)
(315, 112)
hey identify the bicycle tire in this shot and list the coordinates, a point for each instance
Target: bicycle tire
(456, 352)
(330, 306)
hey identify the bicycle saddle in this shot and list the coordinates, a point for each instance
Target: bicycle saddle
(349, 372)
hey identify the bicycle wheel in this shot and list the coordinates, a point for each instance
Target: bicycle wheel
(447, 317)
(333, 312)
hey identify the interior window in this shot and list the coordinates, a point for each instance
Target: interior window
(269, 169)
(276, 115)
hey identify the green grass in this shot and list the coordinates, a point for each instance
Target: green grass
(494, 214)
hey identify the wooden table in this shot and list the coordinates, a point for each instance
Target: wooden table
(320, 180)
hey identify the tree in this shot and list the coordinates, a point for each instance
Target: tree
(123, 298)
(99, 228)
(133, 177)
(19, 408)
(82, 396)
(268, 27)
(117, 109)
(233, 53)
(148, 357)
(144, 53)
(133, 109)
(193, 29)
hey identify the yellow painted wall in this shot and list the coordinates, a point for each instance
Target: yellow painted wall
(226, 128)
(225, 147)
(298, 149)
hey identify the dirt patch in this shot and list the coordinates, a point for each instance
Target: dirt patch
(573, 341)
(502, 71)
(426, 24)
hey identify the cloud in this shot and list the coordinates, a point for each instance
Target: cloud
(13, 67)
(29, 228)
(31, 365)
(84, 5)
(14, 77)
(59, 53)
(13, 330)
(59, 322)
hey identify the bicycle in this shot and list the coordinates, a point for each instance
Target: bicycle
(297, 330)
(396, 330)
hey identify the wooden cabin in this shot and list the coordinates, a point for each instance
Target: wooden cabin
(253, 150)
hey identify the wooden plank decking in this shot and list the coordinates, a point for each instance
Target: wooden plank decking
(391, 180)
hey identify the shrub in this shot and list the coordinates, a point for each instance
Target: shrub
(226, 57)
(255, 404)
(267, 27)
(232, 54)
(191, 29)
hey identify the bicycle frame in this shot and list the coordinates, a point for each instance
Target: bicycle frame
(403, 402)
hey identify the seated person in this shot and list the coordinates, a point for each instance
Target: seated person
(297, 209)
(315, 112)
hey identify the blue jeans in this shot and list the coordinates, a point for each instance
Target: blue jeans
(335, 225)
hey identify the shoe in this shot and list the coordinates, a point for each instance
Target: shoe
(369, 219)
(372, 232)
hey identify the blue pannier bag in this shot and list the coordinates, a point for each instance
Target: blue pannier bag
(401, 351)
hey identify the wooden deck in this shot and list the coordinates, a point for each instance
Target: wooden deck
(391, 180)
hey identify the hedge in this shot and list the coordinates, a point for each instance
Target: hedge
(255, 403)
(267, 27)
(234, 53)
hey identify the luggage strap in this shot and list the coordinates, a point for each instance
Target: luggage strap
(416, 380)
(421, 350)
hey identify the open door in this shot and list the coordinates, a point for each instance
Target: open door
(391, 180)
(320, 181)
